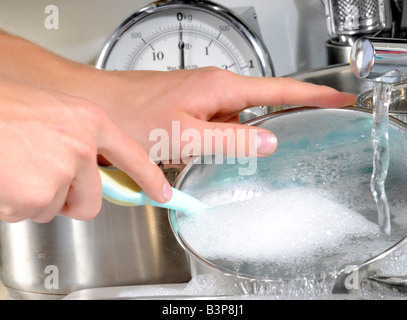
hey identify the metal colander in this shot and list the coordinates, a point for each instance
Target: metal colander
(350, 17)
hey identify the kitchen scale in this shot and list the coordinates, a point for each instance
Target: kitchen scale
(186, 34)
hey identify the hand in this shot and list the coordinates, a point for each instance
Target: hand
(138, 102)
(142, 101)
(48, 144)
(207, 98)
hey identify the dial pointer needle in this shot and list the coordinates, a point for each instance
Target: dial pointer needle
(181, 46)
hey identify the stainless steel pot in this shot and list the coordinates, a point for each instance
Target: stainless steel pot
(121, 246)
(324, 135)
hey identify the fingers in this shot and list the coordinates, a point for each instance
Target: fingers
(249, 141)
(228, 139)
(39, 203)
(287, 91)
(83, 200)
(127, 155)
(54, 206)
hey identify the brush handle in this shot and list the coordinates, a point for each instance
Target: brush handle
(119, 188)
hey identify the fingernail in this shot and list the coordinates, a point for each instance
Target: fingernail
(167, 191)
(266, 143)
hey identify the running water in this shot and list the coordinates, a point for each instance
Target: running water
(380, 141)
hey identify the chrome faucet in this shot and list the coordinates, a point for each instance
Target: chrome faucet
(380, 59)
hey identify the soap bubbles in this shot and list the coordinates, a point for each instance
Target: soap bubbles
(280, 233)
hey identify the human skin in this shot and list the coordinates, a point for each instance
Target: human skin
(58, 115)
(49, 142)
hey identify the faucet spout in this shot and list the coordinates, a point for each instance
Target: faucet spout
(380, 59)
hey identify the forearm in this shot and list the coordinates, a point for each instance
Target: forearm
(24, 61)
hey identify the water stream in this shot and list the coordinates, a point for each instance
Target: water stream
(380, 142)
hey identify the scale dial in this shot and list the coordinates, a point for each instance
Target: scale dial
(170, 35)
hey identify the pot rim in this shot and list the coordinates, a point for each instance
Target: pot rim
(254, 122)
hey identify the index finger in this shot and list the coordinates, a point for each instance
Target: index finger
(129, 156)
(288, 91)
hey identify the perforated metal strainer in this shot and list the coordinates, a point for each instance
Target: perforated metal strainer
(354, 17)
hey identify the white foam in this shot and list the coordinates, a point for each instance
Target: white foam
(283, 226)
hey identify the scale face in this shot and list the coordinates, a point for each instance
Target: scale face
(187, 34)
(171, 35)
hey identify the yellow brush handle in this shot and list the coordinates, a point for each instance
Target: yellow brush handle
(119, 187)
(119, 178)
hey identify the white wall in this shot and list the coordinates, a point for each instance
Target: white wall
(294, 30)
